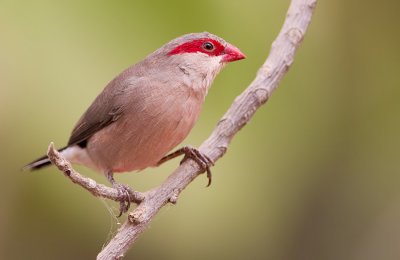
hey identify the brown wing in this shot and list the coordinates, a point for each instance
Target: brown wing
(113, 101)
(105, 110)
(92, 122)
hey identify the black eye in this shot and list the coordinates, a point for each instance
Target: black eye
(208, 46)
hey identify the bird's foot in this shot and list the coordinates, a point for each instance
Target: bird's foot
(200, 158)
(126, 195)
(192, 153)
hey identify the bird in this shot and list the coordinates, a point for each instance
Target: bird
(147, 110)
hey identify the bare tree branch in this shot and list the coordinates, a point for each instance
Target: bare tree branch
(243, 108)
(267, 80)
(91, 185)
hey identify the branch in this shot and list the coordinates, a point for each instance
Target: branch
(91, 185)
(243, 108)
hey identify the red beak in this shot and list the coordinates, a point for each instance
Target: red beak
(232, 54)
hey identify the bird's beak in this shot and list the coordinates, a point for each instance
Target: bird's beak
(232, 54)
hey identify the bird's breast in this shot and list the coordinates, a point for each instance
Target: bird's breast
(147, 131)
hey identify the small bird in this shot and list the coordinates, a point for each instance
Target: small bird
(147, 110)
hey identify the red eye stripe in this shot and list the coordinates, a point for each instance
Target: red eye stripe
(197, 46)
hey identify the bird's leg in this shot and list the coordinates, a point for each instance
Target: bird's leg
(124, 191)
(192, 153)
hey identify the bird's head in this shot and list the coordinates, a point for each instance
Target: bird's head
(195, 58)
(192, 59)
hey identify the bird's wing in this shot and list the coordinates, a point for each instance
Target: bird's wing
(127, 91)
(105, 110)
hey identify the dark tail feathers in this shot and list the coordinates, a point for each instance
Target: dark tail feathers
(39, 163)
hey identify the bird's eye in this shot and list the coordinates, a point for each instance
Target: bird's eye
(208, 46)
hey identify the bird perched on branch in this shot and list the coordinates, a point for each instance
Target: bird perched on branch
(147, 110)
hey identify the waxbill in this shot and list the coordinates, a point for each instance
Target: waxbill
(148, 109)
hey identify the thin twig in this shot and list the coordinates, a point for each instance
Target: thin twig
(91, 185)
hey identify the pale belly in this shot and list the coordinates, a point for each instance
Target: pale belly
(139, 139)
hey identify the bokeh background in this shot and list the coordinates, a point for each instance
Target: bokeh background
(315, 175)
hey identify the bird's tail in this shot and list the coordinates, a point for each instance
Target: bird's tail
(39, 163)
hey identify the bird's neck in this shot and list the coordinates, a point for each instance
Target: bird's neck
(199, 73)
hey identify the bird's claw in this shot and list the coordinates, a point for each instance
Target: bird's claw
(126, 195)
(201, 159)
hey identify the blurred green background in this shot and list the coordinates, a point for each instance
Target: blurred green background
(315, 175)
